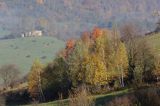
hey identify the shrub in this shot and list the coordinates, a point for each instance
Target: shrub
(122, 101)
(81, 97)
(148, 97)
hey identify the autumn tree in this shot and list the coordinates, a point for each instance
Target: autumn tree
(119, 57)
(113, 53)
(97, 32)
(140, 55)
(69, 47)
(9, 74)
(129, 36)
(34, 81)
(55, 79)
(75, 60)
(146, 60)
(95, 62)
(95, 72)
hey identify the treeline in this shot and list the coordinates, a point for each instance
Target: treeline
(100, 60)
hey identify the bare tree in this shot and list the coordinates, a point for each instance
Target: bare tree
(9, 74)
(130, 34)
(140, 55)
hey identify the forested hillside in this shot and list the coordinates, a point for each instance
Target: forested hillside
(68, 18)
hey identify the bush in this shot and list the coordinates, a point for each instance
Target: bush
(81, 97)
(148, 97)
(122, 101)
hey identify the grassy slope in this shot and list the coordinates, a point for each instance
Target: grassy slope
(100, 100)
(23, 51)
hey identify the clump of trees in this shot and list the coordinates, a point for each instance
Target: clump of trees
(100, 59)
(96, 59)
(141, 56)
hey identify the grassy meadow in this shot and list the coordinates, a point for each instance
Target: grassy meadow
(23, 51)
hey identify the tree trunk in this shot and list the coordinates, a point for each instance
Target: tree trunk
(122, 77)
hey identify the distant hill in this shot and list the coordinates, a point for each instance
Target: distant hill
(68, 18)
(23, 51)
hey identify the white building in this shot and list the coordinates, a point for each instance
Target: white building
(35, 33)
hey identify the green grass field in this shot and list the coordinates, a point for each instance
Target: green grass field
(23, 51)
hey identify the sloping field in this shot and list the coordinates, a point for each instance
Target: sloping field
(23, 51)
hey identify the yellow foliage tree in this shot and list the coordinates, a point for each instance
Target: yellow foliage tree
(121, 62)
(75, 62)
(100, 61)
(95, 71)
(34, 81)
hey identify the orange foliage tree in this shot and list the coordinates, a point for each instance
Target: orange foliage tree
(97, 32)
(69, 47)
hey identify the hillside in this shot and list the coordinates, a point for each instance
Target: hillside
(23, 51)
(102, 99)
(68, 18)
(155, 42)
